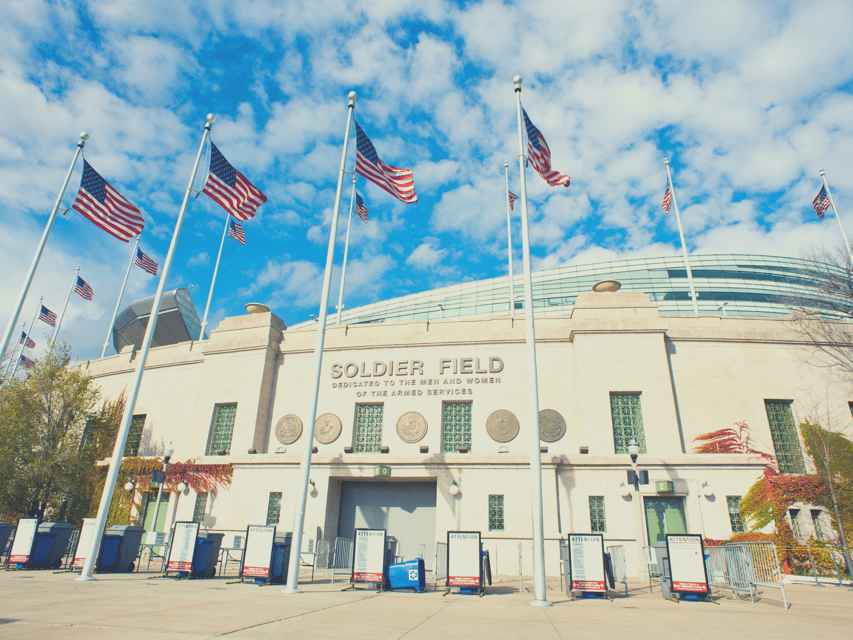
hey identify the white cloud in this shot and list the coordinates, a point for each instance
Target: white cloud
(427, 254)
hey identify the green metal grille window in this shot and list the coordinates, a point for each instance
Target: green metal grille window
(134, 436)
(274, 508)
(200, 506)
(734, 514)
(455, 426)
(496, 513)
(223, 428)
(627, 421)
(784, 434)
(795, 523)
(368, 427)
(597, 522)
(818, 532)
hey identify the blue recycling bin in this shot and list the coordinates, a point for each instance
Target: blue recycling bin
(42, 551)
(407, 575)
(108, 558)
(202, 563)
(280, 561)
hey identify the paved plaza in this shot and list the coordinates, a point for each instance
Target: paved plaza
(43, 604)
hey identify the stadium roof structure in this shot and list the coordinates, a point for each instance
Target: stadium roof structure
(726, 284)
(177, 322)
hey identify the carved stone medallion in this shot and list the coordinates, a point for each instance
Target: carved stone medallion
(288, 429)
(411, 427)
(327, 428)
(552, 427)
(502, 425)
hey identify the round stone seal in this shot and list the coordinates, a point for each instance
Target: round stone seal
(288, 429)
(502, 425)
(327, 428)
(411, 427)
(552, 427)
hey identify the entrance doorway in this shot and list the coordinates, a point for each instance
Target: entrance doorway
(150, 506)
(664, 515)
(406, 510)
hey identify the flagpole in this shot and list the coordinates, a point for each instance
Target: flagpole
(62, 315)
(213, 282)
(509, 244)
(13, 320)
(346, 251)
(29, 335)
(120, 294)
(683, 243)
(539, 595)
(308, 433)
(11, 359)
(124, 429)
(832, 202)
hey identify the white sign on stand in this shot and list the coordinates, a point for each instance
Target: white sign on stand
(368, 561)
(183, 546)
(258, 554)
(586, 562)
(463, 559)
(86, 533)
(25, 537)
(687, 563)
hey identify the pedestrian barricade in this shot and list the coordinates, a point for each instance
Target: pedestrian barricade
(620, 568)
(342, 557)
(745, 567)
(440, 568)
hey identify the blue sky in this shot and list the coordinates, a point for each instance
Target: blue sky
(748, 99)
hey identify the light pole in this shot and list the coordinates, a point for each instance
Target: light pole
(161, 476)
(634, 481)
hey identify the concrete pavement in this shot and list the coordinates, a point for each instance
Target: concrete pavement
(43, 604)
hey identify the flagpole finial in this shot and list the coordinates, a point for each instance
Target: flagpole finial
(352, 96)
(666, 161)
(211, 118)
(84, 136)
(517, 82)
(506, 164)
(822, 173)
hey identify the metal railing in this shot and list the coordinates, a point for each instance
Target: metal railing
(341, 557)
(440, 568)
(745, 566)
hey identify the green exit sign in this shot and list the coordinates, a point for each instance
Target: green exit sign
(664, 486)
(381, 471)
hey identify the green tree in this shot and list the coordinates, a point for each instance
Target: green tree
(52, 432)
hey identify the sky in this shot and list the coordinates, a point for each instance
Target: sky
(748, 100)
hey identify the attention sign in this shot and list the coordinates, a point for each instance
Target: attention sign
(25, 536)
(258, 554)
(368, 562)
(83, 542)
(463, 559)
(183, 546)
(586, 562)
(687, 563)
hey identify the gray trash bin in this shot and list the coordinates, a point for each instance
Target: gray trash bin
(62, 532)
(131, 539)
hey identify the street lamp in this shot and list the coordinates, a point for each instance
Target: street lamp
(634, 452)
(161, 477)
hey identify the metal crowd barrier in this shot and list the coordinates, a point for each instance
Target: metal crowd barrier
(440, 569)
(620, 567)
(745, 566)
(342, 556)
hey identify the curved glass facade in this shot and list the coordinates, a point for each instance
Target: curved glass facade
(741, 285)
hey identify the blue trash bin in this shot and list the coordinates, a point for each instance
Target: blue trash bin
(108, 558)
(42, 546)
(407, 575)
(280, 562)
(201, 558)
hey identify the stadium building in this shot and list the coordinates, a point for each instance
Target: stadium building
(432, 386)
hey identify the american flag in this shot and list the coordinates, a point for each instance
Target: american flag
(82, 287)
(360, 210)
(145, 262)
(821, 203)
(47, 316)
(667, 198)
(230, 188)
(106, 207)
(28, 342)
(29, 364)
(512, 198)
(235, 230)
(400, 183)
(540, 155)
